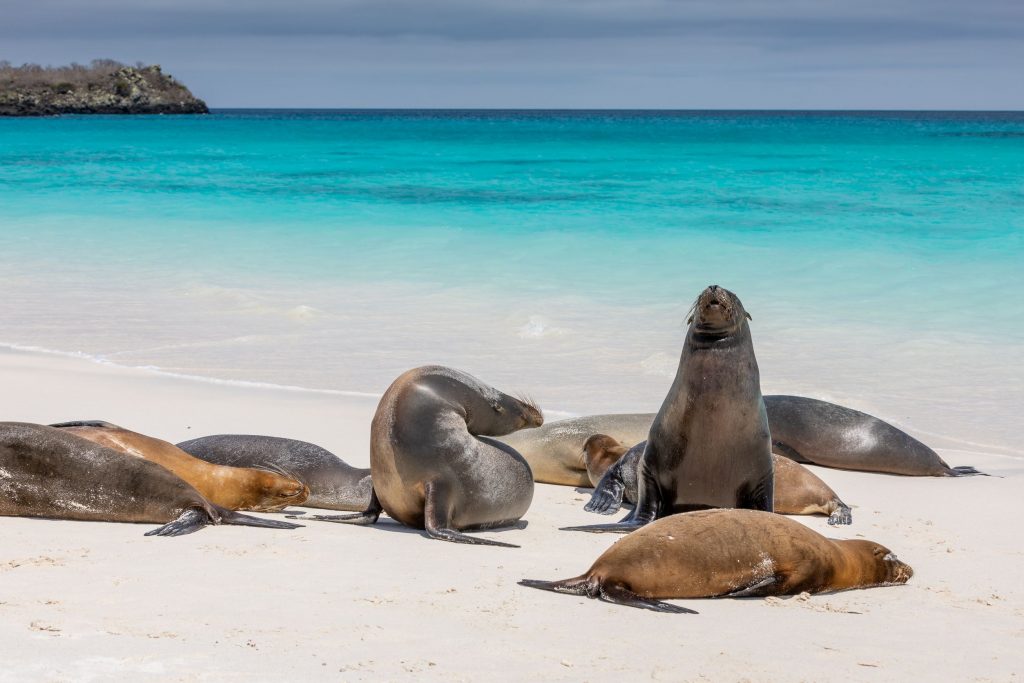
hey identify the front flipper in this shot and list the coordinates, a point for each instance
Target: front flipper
(235, 518)
(607, 496)
(192, 519)
(760, 589)
(365, 518)
(620, 595)
(437, 524)
(841, 515)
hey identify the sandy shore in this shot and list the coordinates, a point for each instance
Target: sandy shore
(91, 601)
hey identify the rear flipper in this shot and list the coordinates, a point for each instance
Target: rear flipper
(608, 494)
(619, 528)
(841, 515)
(365, 518)
(613, 593)
(437, 524)
(192, 519)
(964, 471)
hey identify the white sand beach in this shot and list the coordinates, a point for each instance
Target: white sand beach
(93, 601)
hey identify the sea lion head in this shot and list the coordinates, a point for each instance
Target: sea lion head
(599, 453)
(275, 491)
(880, 565)
(717, 313)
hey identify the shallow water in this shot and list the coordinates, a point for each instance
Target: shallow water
(554, 253)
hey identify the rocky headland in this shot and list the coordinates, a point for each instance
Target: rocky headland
(104, 87)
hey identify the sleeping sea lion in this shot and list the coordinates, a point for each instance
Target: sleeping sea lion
(728, 553)
(48, 472)
(806, 430)
(236, 488)
(432, 466)
(333, 484)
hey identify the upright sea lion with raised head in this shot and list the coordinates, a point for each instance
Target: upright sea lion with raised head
(613, 472)
(728, 553)
(48, 472)
(236, 488)
(709, 445)
(333, 484)
(433, 467)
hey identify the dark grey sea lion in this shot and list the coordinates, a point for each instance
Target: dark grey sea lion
(433, 467)
(709, 445)
(613, 471)
(803, 429)
(333, 484)
(48, 472)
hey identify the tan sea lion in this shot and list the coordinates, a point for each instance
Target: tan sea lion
(48, 472)
(433, 467)
(613, 472)
(709, 445)
(728, 553)
(235, 488)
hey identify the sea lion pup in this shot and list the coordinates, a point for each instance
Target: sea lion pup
(797, 490)
(48, 472)
(433, 469)
(709, 445)
(333, 484)
(728, 553)
(236, 488)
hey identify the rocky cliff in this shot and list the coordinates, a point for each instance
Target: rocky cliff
(104, 88)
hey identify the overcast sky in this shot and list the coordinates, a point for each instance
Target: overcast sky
(790, 54)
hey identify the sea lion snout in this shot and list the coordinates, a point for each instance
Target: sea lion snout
(718, 309)
(898, 571)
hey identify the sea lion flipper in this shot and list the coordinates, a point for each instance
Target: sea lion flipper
(192, 519)
(607, 496)
(620, 595)
(618, 528)
(965, 471)
(841, 515)
(437, 524)
(365, 518)
(759, 589)
(231, 517)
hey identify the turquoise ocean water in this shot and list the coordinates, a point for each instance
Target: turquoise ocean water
(557, 253)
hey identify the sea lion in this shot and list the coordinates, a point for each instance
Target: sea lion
(48, 472)
(554, 450)
(236, 488)
(333, 484)
(432, 467)
(728, 553)
(709, 445)
(613, 472)
(803, 429)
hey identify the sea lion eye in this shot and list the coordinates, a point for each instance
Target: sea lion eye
(498, 408)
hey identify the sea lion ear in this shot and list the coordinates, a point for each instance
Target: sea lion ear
(748, 315)
(498, 408)
(689, 320)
